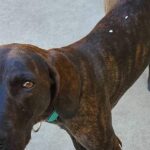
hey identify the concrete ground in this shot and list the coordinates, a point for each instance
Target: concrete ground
(47, 24)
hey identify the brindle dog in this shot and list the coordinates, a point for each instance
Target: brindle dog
(81, 82)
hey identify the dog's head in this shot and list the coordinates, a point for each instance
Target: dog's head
(25, 95)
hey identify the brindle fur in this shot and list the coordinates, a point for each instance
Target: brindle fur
(82, 81)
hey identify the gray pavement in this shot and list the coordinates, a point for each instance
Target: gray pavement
(47, 24)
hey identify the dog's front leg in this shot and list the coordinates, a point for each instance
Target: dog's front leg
(92, 127)
(76, 144)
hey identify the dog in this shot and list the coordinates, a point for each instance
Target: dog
(81, 82)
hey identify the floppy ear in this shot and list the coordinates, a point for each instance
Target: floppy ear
(65, 87)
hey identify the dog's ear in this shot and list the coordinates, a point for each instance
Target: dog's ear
(54, 83)
(65, 85)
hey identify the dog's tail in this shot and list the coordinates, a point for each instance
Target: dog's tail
(110, 4)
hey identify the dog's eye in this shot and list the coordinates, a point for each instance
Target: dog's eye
(28, 84)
